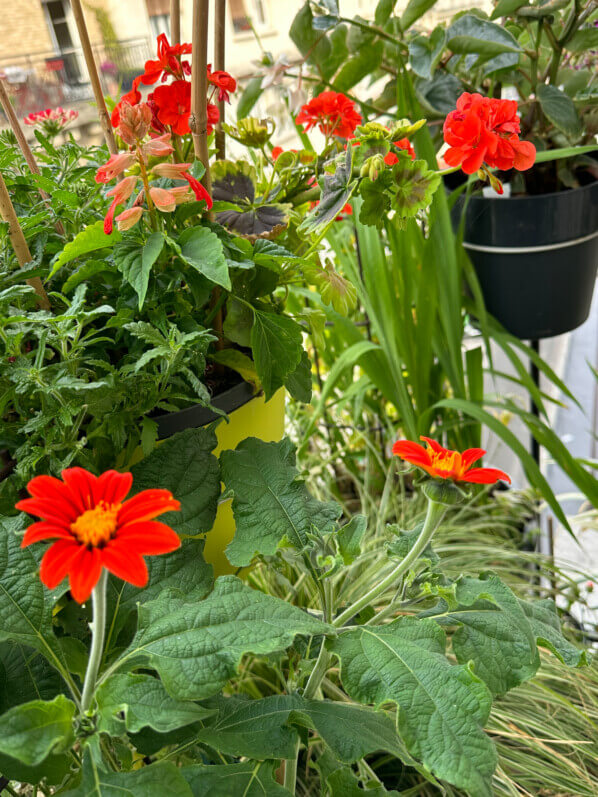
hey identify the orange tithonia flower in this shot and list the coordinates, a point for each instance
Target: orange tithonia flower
(442, 463)
(94, 527)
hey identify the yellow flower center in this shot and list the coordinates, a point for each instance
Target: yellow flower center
(96, 526)
(447, 465)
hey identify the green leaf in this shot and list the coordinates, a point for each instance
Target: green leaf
(53, 769)
(442, 708)
(359, 66)
(505, 8)
(85, 271)
(404, 541)
(25, 675)
(336, 190)
(471, 34)
(88, 240)
(143, 702)
(135, 262)
(583, 40)
(493, 632)
(310, 42)
(560, 110)
(68, 198)
(544, 621)
(249, 779)
(271, 504)
(414, 10)
(163, 777)
(25, 604)
(196, 647)
(251, 94)
(202, 249)
(425, 52)
(185, 465)
(277, 346)
(32, 731)
(349, 538)
(298, 383)
(383, 11)
(376, 200)
(414, 184)
(239, 362)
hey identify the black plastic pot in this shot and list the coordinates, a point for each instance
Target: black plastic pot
(536, 258)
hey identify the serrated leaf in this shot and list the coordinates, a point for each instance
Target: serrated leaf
(250, 779)
(196, 647)
(202, 249)
(544, 621)
(277, 346)
(88, 240)
(404, 541)
(143, 702)
(560, 110)
(163, 777)
(493, 632)
(414, 185)
(376, 200)
(135, 261)
(442, 708)
(31, 731)
(270, 503)
(349, 538)
(185, 465)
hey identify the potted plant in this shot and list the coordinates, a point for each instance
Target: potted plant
(534, 249)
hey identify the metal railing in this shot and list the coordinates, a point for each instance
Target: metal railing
(42, 80)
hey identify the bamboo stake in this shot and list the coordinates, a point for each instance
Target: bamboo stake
(175, 22)
(219, 64)
(24, 145)
(94, 76)
(19, 243)
(198, 121)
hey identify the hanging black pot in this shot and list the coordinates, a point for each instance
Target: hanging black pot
(536, 258)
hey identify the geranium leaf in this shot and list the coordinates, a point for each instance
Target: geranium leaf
(414, 185)
(185, 465)
(336, 191)
(250, 779)
(163, 777)
(265, 220)
(31, 731)
(88, 240)
(376, 200)
(202, 250)
(143, 702)
(442, 708)
(270, 504)
(277, 345)
(196, 646)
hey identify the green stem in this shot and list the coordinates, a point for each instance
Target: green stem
(434, 515)
(290, 771)
(98, 601)
(317, 674)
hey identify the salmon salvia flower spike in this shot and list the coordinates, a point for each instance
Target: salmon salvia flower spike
(443, 463)
(93, 527)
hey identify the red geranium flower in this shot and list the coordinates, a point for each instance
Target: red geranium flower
(93, 527)
(442, 463)
(224, 82)
(486, 130)
(390, 158)
(168, 61)
(173, 105)
(334, 114)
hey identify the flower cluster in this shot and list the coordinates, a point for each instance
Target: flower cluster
(170, 102)
(332, 112)
(442, 463)
(93, 527)
(486, 130)
(134, 125)
(52, 120)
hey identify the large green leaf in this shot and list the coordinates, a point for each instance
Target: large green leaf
(414, 10)
(202, 249)
(185, 465)
(249, 779)
(132, 702)
(414, 185)
(560, 110)
(485, 43)
(493, 632)
(251, 94)
(425, 52)
(310, 42)
(162, 777)
(442, 708)
(271, 504)
(25, 604)
(360, 65)
(196, 646)
(25, 675)
(277, 346)
(135, 260)
(90, 239)
(31, 731)
(546, 627)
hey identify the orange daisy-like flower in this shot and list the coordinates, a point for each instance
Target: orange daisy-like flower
(94, 527)
(442, 463)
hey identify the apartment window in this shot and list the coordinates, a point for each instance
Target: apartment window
(57, 17)
(159, 16)
(244, 13)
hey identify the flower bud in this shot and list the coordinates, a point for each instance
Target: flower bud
(135, 121)
(158, 147)
(123, 190)
(114, 166)
(164, 200)
(128, 218)
(173, 171)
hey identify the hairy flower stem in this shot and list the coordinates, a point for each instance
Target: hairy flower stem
(434, 515)
(98, 602)
(290, 771)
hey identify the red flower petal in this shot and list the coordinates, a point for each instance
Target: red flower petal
(44, 531)
(147, 537)
(412, 452)
(125, 564)
(47, 487)
(470, 456)
(485, 476)
(84, 572)
(57, 561)
(48, 510)
(82, 484)
(112, 487)
(434, 445)
(147, 505)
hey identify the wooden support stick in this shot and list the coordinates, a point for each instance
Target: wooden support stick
(199, 88)
(175, 22)
(94, 77)
(19, 243)
(24, 145)
(219, 65)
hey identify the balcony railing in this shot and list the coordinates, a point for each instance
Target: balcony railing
(46, 80)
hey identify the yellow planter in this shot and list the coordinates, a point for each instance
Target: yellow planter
(256, 418)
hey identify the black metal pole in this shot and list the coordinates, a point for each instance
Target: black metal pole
(535, 375)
